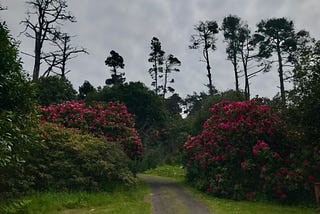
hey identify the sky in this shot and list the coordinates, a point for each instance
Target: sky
(127, 26)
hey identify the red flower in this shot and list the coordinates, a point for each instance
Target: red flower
(311, 178)
(276, 155)
(283, 196)
(279, 191)
(244, 163)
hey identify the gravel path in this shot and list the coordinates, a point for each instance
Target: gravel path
(169, 197)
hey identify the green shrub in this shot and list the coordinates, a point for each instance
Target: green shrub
(16, 106)
(68, 160)
(54, 89)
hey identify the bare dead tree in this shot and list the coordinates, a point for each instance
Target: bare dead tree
(64, 52)
(41, 23)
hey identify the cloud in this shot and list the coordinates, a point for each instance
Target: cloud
(128, 26)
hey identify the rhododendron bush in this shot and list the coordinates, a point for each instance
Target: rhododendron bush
(242, 152)
(111, 120)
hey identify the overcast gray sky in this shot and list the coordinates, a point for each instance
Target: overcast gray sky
(127, 26)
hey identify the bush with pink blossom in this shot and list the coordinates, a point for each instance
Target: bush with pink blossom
(243, 152)
(110, 120)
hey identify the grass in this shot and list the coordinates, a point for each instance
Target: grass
(121, 200)
(132, 200)
(224, 206)
(175, 172)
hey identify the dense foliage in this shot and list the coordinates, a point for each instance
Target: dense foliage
(241, 152)
(200, 115)
(54, 89)
(304, 107)
(66, 159)
(141, 101)
(16, 104)
(110, 120)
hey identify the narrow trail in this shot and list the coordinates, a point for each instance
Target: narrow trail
(170, 197)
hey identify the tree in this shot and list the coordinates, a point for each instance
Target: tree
(170, 65)
(305, 96)
(205, 39)
(86, 89)
(249, 58)
(192, 103)
(157, 59)
(246, 46)
(47, 15)
(174, 105)
(241, 50)
(231, 26)
(54, 89)
(17, 112)
(141, 101)
(58, 58)
(115, 61)
(277, 36)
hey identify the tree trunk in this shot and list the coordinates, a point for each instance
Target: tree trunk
(64, 58)
(235, 68)
(37, 57)
(244, 59)
(206, 56)
(165, 83)
(156, 75)
(246, 77)
(280, 70)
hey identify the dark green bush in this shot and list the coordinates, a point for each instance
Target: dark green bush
(54, 89)
(16, 105)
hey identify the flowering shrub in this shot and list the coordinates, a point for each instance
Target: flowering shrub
(241, 152)
(110, 120)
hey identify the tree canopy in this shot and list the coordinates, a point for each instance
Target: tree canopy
(115, 61)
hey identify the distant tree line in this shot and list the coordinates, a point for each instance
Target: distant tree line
(275, 41)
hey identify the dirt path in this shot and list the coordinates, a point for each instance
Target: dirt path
(169, 197)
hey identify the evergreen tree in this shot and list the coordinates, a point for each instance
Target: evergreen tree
(231, 27)
(170, 65)
(205, 40)
(115, 61)
(86, 89)
(277, 36)
(157, 60)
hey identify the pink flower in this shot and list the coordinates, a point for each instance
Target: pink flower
(244, 163)
(311, 178)
(279, 191)
(250, 195)
(283, 196)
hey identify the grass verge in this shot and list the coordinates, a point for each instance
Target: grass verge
(225, 206)
(121, 200)
(175, 172)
